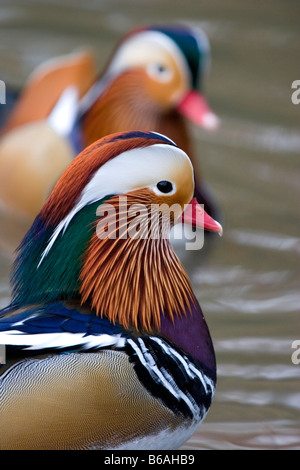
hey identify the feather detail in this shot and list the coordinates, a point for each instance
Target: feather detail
(48, 82)
(125, 105)
(134, 280)
(86, 164)
(51, 256)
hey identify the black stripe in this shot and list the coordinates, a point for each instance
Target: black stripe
(191, 387)
(145, 135)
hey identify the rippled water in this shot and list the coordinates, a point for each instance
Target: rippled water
(249, 283)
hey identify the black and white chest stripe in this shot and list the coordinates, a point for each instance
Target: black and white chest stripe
(164, 370)
(171, 376)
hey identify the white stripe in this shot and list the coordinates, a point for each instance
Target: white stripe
(189, 367)
(134, 53)
(172, 352)
(63, 116)
(135, 169)
(153, 370)
(59, 340)
(163, 376)
(21, 322)
(204, 379)
(191, 404)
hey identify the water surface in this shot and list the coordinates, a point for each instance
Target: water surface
(249, 284)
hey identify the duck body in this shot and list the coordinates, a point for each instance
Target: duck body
(106, 344)
(81, 382)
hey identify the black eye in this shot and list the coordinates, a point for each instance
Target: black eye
(165, 186)
(160, 72)
(160, 68)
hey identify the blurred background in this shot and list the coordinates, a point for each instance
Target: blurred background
(249, 285)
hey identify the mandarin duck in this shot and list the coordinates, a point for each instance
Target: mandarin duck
(106, 344)
(152, 81)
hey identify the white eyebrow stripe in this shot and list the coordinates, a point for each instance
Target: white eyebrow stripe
(130, 54)
(116, 177)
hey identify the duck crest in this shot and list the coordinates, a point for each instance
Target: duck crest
(194, 46)
(192, 42)
(84, 166)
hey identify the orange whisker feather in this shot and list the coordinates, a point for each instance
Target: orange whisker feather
(135, 280)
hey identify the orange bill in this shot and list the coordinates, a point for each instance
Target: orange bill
(195, 107)
(195, 215)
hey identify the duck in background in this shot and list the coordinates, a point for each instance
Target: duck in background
(106, 344)
(153, 81)
(36, 141)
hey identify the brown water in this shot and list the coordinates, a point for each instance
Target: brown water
(249, 285)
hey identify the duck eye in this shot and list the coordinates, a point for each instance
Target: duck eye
(160, 72)
(160, 68)
(165, 186)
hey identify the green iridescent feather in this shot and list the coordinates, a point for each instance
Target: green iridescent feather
(57, 277)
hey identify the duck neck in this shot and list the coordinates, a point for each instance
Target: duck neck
(122, 105)
(133, 275)
(139, 283)
(125, 105)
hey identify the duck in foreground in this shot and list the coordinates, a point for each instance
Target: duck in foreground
(153, 80)
(106, 344)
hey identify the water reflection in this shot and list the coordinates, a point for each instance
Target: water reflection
(254, 371)
(269, 241)
(277, 434)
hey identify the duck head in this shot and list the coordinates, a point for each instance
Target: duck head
(155, 71)
(100, 238)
